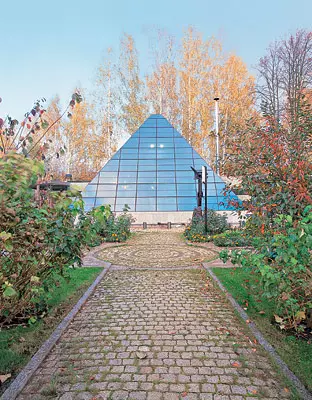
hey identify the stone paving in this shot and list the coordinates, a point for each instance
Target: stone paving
(148, 334)
(156, 249)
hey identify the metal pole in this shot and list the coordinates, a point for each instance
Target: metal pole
(204, 180)
(216, 99)
(206, 206)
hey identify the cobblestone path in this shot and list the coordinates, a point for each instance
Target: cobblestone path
(156, 249)
(156, 334)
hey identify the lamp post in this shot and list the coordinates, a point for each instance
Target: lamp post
(204, 180)
(216, 99)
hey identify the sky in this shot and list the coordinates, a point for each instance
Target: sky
(51, 47)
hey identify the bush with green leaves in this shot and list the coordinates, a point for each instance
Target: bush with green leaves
(104, 226)
(195, 231)
(37, 242)
(232, 238)
(282, 257)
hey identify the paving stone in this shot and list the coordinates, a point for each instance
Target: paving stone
(179, 316)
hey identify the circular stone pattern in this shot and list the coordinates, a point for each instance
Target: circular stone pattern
(153, 255)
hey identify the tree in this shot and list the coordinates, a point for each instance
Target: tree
(162, 83)
(133, 105)
(28, 137)
(285, 72)
(105, 103)
(86, 148)
(276, 166)
(236, 89)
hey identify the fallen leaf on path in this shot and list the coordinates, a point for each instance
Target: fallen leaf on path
(172, 333)
(236, 364)
(4, 378)
(21, 339)
(286, 389)
(278, 319)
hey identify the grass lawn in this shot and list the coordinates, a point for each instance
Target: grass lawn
(18, 344)
(245, 288)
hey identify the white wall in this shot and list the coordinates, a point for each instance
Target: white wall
(175, 217)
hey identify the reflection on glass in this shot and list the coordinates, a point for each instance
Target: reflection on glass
(151, 172)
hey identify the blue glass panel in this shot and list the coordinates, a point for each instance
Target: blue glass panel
(176, 133)
(184, 179)
(144, 163)
(166, 180)
(180, 142)
(108, 177)
(148, 123)
(131, 143)
(186, 189)
(127, 187)
(165, 132)
(196, 155)
(128, 162)
(90, 190)
(164, 142)
(147, 153)
(116, 156)
(145, 174)
(165, 167)
(146, 190)
(211, 187)
(186, 203)
(106, 191)
(165, 190)
(127, 177)
(89, 201)
(111, 166)
(165, 174)
(185, 166)
(129, 154)
(147, 142)
(167, 204)
(147, 167)
(136, 134)
(125, 200)
(148, 180)
(183, 152)
(128, 165)
(163, 122)
(187, 172)
(104, 200)
(165, 153)
(146, 204)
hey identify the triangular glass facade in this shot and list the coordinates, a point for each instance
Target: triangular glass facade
(152, 172)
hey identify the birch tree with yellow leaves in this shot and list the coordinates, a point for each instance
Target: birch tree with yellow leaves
(133, 107)
(162, 82)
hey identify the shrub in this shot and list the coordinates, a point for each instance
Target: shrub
(104, 226)
(283, 258)
(36, 242)
(234, 238)
(195, 232)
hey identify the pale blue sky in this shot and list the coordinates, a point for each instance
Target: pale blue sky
(49, 47)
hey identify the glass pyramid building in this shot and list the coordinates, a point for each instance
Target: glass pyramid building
(152, 172)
